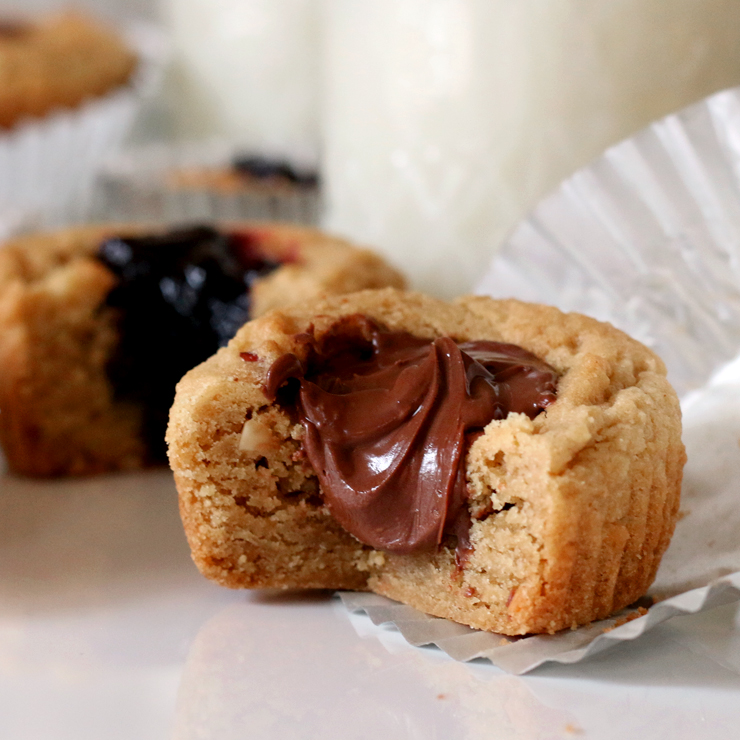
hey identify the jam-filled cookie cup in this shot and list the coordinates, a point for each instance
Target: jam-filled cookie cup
(97, 325)
(209, 180)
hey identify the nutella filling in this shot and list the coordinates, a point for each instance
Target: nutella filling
(388, 418)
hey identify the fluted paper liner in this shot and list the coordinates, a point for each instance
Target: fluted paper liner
(648, 238)
(136, 186)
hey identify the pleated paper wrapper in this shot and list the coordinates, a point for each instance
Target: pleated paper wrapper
(648, 238)
(141, 184)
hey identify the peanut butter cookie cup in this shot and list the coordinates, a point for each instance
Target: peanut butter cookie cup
(498, 463)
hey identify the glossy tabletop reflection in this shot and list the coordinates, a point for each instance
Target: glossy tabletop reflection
(108, 631)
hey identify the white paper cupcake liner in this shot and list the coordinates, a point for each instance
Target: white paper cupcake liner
(135, 186)
(48, 165)
(521, 655)
(648, 238)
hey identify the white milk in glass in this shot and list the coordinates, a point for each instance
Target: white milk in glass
(247, 71)
(446, 120)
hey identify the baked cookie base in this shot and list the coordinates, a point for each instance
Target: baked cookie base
(584, 497)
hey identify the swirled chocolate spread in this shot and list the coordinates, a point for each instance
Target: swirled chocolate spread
(180, 296)
(389, 416)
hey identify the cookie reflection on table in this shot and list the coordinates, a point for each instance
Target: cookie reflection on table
(289, 666)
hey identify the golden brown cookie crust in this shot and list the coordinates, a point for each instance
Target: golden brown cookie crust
(58, 414)
(58, 61)
(592, 484)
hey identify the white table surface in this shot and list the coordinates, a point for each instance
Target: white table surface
(107, 631)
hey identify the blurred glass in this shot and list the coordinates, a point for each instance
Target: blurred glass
(247, 71)
(146, 9)
(446, 120)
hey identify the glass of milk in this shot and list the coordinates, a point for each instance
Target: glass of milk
(446, 120)
(247, 72)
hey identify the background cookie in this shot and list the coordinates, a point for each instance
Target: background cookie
(57, 62)
(571, 511)
(207, 180)
(71, 363)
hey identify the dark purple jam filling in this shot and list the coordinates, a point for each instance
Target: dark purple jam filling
(262, 168)
(181, 296)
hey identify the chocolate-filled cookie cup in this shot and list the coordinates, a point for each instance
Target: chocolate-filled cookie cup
(564, 514)
(97, 325)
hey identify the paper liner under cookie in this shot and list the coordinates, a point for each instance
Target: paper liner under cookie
(48, 165)
(648, 238)
(137, 185)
